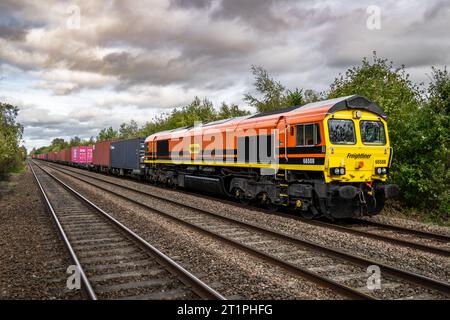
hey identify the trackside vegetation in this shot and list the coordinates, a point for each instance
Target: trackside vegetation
(418, 119)
(11, 154)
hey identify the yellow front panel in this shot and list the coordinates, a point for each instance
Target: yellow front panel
(359, 160)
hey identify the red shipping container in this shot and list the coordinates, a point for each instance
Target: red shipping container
(100, 154)
(81, 155)
(64, 155)
(52, 156)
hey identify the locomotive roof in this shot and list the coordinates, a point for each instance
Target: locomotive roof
(331, 106)
(325, 107)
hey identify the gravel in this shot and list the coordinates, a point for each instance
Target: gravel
(412, 224)
(33, 260)
(233, 273)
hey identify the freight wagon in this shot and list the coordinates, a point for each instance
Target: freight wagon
(64, 156)
(81, 156)
(127, 157)
(100, 156)
(52, 156)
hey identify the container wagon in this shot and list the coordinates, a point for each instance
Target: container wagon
(127, 157)
(81, 156)
(52, 156)
(101, 156)
(64, 156)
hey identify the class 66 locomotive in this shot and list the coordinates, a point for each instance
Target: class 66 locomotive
(324, 159)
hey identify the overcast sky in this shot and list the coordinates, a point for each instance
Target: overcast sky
(75, 67)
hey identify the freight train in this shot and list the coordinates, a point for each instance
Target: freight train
(329, 158)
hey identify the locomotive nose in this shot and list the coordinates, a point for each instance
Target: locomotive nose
(348, 192)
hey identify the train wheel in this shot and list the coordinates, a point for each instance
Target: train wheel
(171, 184)
(240, 196)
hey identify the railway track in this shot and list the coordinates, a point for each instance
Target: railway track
(429, 242)
(113, 262)
(338, 270)
(415, 239)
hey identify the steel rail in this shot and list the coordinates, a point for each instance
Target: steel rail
(391, 239)
(189, 279)
(424, 234)
(86, 284)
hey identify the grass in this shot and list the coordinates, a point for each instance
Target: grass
(395, 208)
(18, 168)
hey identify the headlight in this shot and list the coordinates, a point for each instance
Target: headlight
(337, 171)
(381, 170)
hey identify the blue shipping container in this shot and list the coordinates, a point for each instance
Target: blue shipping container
(128, 155)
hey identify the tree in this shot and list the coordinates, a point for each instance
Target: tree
(10, 136)
(436, 123)
(275, 95)
(22, 153)
(107, 134)
(313, 96)
(271, 90)
(75, 141)
(197, 111)
(58, 144)
(294, 98)
(128, 130)
(232, 111)
(439, 90)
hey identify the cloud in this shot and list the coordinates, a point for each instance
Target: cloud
(12, 33)
(134, 59)
(64, 81)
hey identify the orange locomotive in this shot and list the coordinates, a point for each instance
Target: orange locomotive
(329, 158)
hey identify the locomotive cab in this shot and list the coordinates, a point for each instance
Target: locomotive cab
(357, 162)
(358, 147)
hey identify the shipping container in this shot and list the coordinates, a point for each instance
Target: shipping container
(81, 155)
(101, 154)
(52, 156)
(64, 156)
(127, 156)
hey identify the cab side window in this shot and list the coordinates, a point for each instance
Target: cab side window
(308, 134)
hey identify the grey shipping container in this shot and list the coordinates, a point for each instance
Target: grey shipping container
(127, 156)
